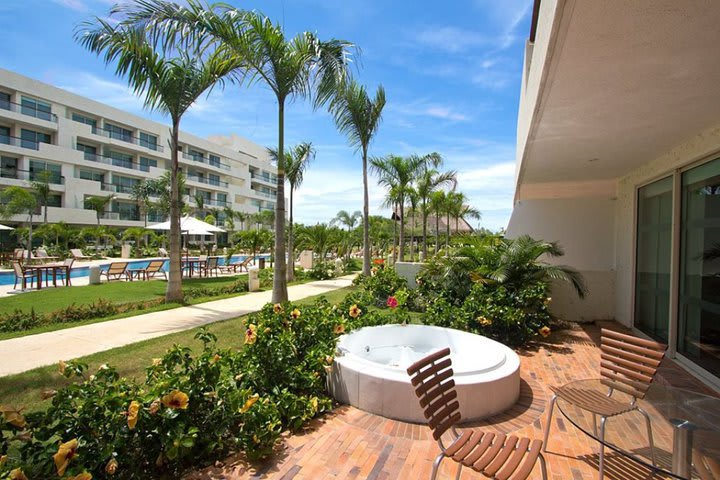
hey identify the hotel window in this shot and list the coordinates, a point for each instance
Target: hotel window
(86, 120)
(119, 133)
(36, 108)
(126, 211)
(214, 160)
(32, 139)
(221, 198)
(90, 152)
(38, 166)
(54, 200)
(92, 175)
(8, 167)
(148, 141)
(146, 163)
(214, 179)
(205, 195)
(5, 101)
(120, 159)
(699, 295)
(124, 184)
(5, 135)
(196, 155)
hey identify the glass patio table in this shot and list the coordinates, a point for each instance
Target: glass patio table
(682, 421)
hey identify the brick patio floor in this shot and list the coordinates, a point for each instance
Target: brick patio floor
(352, 444)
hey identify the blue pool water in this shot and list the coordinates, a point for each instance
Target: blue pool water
(8, 278)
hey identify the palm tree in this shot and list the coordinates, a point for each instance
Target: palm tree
(318, 238)
(397, 174)
(428, 182)
(16, 201)
(99, 204)
(140, 194)
(168, 85)
(296, 161)
(358, 117)
(199, 204)
(41, 189)
(468, 212)
(438, 199)
(348, 220)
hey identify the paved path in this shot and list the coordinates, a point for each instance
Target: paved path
(25, 353)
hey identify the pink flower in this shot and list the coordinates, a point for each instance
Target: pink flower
(392, 302)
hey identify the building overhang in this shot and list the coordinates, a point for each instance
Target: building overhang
(618, 84)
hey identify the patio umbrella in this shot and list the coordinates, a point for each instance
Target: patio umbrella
(5, 227)
(189, 226)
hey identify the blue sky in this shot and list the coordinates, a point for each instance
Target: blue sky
(451, 71)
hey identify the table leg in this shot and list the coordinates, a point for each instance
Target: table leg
(38, 285)
(54, 278)
(682, 449)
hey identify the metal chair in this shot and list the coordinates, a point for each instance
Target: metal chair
(495, 455)
(628, 364)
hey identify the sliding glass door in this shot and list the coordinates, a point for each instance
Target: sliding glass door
(699, 296)
(652, 270)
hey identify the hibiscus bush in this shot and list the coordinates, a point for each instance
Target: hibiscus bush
(190, 409)
(383, 283)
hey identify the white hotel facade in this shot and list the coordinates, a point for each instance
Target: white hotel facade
(92, 149)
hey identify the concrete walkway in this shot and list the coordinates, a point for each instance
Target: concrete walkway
(25, 353)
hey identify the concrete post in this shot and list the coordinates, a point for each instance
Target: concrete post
(94, 275)
(253, 279)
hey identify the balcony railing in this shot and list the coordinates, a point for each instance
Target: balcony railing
(114, 187)
(19, 142)
(207, 181)
(31, 176)
(201, 159)
(217, 203)
(28, 110)
(127, 138)
(94, 157)
(264, 194)
(266, 178)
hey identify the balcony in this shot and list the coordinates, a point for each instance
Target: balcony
(94, 157)
(19, 142)
(264, 194)
(28, 110)
(31, 176)
(114, 187)
(217, 203)
(271, 179)
(127, 138)
(207, 181)
(198, 158)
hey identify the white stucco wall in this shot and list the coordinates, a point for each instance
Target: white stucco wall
(585, 228)
(702, 146)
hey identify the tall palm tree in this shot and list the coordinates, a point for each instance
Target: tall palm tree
(468, 212)
(397, 174)
(168, 85)
(438, 199)
(99, 205)
(430, 180)
(358, 117)
(348, 220)
(140, 194)
(297, 159)
(41, 189)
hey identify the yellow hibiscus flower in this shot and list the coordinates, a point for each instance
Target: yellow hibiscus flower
(64, 455)
(355, 311)
(277, 308)
(544, 331)
(61, 367)
(176, 400)
(132, 414)
(251, 334)
(339, 329)
(111, 467)
(17, 474)
(13, 416)
(485, 322)
(295, 314)
(249, 403)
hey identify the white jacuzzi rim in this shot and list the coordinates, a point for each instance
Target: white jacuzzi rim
(348, 359)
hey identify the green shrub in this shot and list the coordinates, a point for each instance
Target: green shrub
(322, 271)
(383, 283)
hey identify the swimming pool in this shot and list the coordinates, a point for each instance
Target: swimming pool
(8, 278)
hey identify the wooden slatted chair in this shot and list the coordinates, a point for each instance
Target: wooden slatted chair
(495, 455)
(116, 271)
(627, 364)
(708, 468)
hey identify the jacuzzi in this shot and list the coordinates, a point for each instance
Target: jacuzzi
(369, 371)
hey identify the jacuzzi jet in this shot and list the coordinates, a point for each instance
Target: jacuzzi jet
(367, 348)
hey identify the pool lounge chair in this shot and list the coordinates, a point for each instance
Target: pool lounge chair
(234, 267)
(42, 254)
(628, 365)
(116, 271)
(78, 254)
(495, 455)
(155, 267)
(162, 252)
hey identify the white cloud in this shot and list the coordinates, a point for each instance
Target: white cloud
(453, 39)
(400, 112)
(114, 93)
(78, 5)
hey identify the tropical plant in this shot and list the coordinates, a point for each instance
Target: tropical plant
(358, 118)
(397, 173)
(140, 194)
(41, 188)
(199, 200)
(18, 201)
(137, 234)
(350, 221)
(167, 85)
(254, 240)
(438, 205)
(319, 238)
(99, 204)
(296, 161)
(428, 182)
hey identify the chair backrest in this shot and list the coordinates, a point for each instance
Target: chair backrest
(117, 267)
(18, 253)
(432, 378)
(41, 253)
(212, 262)
(629, 363)
(76, 252)
(18, 269)
(708, 468)
(162, 252)
(69, 262)
(155, 266)
(202, 258)
(247, 261)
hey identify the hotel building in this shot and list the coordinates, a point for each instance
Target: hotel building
(92, 149)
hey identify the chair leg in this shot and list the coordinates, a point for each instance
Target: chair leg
(549, 421)
(595, 424)
(459, 471)
(601, 462)
(543, 466)
(649, 434)
(436, 465)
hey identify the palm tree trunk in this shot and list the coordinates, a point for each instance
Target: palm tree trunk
(366, 216)
(437, 232)
(174, 293)
(457, 224)
(279, 294)
(402, 229)
(29, 252)
(45, 209)
(447, 237)
(291, 242)
(395, 234)
(424, 230)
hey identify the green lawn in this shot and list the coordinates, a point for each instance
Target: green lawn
(24, 389)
